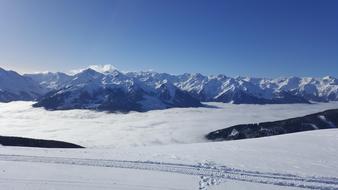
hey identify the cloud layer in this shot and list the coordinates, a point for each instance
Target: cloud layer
(162, 127)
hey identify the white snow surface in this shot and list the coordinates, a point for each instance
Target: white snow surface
(307, 159)
(160, 127)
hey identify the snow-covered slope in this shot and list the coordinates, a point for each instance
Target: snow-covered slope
(49, 80)
(13, 87)
(296, 161)
(323, 120)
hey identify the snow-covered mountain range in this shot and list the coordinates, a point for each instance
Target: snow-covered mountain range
(14, 87)
(112, 91)
(106, 88)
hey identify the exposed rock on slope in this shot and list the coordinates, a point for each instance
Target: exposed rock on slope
(28, 142)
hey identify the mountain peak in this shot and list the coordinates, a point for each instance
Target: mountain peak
(329, 78)
(103, 68)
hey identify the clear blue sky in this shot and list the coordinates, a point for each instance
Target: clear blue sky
(234, 37)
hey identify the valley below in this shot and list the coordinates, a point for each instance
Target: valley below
(159, 127)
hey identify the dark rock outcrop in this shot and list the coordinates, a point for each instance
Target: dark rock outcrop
(28, 142)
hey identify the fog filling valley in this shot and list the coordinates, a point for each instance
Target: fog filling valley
(160, 127)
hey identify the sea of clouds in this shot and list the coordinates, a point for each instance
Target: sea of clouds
(160, 127)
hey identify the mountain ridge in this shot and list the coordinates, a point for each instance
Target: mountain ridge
(145, 86)
(14, 86)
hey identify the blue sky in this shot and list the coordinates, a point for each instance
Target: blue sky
(234, 37)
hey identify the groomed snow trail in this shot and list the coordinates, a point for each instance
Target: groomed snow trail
(214, 173)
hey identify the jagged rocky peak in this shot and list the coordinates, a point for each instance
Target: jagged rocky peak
(90, 73)
(104, 69)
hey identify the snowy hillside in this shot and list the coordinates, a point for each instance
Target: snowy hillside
(50, 81)
(322, 120)
(14, 87)
(296, 161)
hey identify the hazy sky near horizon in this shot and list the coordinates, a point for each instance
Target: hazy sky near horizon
(234, 37)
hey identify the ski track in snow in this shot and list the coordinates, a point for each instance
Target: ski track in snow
(210, 174)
